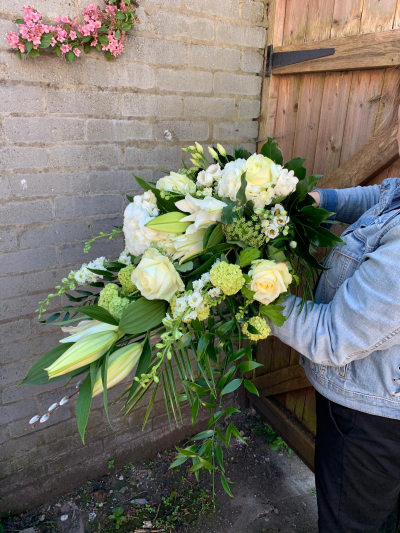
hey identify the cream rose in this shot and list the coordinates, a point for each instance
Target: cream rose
(156, 277)
(261, 171)
(268, 280)
(178, 183)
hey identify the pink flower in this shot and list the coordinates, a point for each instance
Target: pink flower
(53, 42)
(72, 34)
(111, 10)
(12, 39)
(77, 52)
(65, 19)
(65, 48)
(57, 18)
(21, 48)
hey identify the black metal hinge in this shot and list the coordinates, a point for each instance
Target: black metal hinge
(282, 59)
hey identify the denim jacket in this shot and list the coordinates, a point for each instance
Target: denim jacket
(350, 338)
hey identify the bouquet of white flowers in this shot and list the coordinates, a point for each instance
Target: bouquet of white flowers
(211, 251)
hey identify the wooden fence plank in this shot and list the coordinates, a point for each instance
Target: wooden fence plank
(346, 18)
(287, 379)
(378, 15)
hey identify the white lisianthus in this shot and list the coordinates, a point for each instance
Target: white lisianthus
(125, 258)
(195, 300)
(156, 277)
(206, 178)
(229, 184)
(178, 183)
(188, 245)
(261, 171)
(203, 213)
(286, 183)
(271, 231)
(268, 280)
(281, 220)
(278, 210)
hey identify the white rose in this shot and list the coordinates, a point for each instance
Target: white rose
(188, 244)
(268, 280)
(177, 183)
(156, 277)
(205, 178)
(229, 184)
(261, 171)
(286, 183)
(203, 213)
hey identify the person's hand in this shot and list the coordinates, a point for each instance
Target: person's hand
(317, 197)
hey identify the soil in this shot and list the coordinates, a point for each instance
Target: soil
(274, 492)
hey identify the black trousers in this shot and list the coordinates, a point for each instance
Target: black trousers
(357, 470)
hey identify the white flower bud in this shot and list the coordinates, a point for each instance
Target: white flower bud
(221, 150)
(79, 384)
(34, 420)
(293, 244)
(200, 149)
(64, 400)
(44, 418)
(52, 406)
(213, 153)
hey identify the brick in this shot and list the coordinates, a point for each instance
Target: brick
(155, 51)
(149, 105)
(8, 240)
(212, 57)
(21, 285)
(84, 156)
(13, 373)
(26, 349)
(73, 253)
(253, 11)
(18, 429)
(84, 206)
(209, 107)
(25, 212)
(21, 157)
(50, 7)
(5, 27)
(118, 130)
(167, 158)
(182, 131)
(249, 108)
(14, 331)
(4, 189)
(82, 103)
(223, 8)
(106, 224)
(120, 180)
(16, 99)
(48, 184)
(225, 82)
(193, 81)
(27, 260)
(226, 131)
(36, 129)
(145, 23)
(31, 441)
(56, 233)
(15, 394)
(241, 35)
(252, 62)
(171, 3)
(39, 71)
(19, 410)
(119, 75)
(175, 24)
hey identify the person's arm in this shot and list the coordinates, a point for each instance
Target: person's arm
(364, 315)
(348, 204)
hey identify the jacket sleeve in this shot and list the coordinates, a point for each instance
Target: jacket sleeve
(349, 204)
(363, 317)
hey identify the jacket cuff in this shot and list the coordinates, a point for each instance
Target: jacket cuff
(329, 199)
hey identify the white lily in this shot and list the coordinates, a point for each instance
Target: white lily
(189, 244)
(84, 328)
(203, 213)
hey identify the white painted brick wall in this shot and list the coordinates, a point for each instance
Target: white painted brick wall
(71, 136)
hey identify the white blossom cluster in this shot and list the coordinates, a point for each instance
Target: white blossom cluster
(275, 221)
(84, 275)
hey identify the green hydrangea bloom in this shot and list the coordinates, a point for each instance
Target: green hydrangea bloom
(227, 277)
(125, 277)
(111, 300)
(260, 325)
(204, 313)
(249, 232)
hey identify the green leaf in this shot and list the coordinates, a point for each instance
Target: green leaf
(166, 205)
(321, 237)
(228, 214)
(20, 21)
(315, 215)
(216, 237)
(34, 53)
(247, 366)
(98, 313)
(36, 375)
(204, 434)
(219, 454)
(277, 254)
(83, 404)
(118, 34)
(143, 366)
(142, 315)
(70, 56)
(185, 267)
(247, 293)
(271, 149)
(46, 40)
(225, 486)
(183, 341)
(248, 385)
(302, 189)
(296, 164)
(251, 329)
(241, 153)
(126, 26)
(29, 47)
(195, 409)
(103, 39)
(273, 313)
(241, 195)
(248, 255)
(231, 387)
(203, 345)
(104, 370)
(178, 462)
(120, 15)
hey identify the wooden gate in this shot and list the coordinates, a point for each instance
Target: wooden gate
(328, 110)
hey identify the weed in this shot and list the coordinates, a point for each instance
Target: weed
(313, 491)
(111, 463)
(259, 427)
(118, 517)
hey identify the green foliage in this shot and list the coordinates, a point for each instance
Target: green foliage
(117, 517)
(142, 315)
(271, 149)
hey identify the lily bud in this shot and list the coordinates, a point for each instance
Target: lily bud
(120, 365)
(195, 163)
(200, 149)
(221, 150)
(213, 153)
(169, 223)
(83, 352)
(84, 328)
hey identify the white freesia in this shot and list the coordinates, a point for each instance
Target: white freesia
(286, 183)
(229, 184)
(188, 245)
(178, 183)
(281, 220)
(271, 231)
(205, 178)
(203, 213)
(156, 277)
(84, 328)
